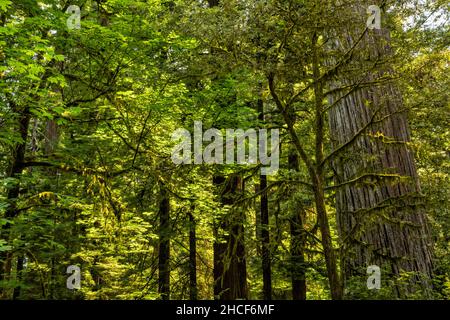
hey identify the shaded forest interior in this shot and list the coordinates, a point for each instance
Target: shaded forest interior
(343, 167)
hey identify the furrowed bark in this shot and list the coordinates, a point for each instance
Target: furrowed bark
(380, 221)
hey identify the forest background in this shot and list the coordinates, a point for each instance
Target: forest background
(86, 177)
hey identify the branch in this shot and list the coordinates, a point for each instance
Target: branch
(290, 126)
(352, 139)
(66, 168)
(367, 175)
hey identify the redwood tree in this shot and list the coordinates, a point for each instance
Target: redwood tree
(379, 218)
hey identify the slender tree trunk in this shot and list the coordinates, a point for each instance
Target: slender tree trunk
(164, 245)
(230, 269)
(258, 221)
(265, 235)
(379, 219)
(193, 293)
(330, 256)
(319, 179)
(316, 175)
(298, 239)
(297, 257)
(19, 269)
(265, 242)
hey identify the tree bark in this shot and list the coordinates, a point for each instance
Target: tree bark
(379, 219)
(230, 269)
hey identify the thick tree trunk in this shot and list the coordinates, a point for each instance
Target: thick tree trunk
(230, 269)
(164, 246)
(379, 220)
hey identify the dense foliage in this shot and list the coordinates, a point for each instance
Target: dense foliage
(86, 123)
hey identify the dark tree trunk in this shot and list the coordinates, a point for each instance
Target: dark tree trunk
(265, 242)
(379, 219)
(298, 239)
(265, 235)
(193, 293)
(19, 269)
(297, 257)
(164, 246)
(213, 3)
(258, 221)
(230, 270)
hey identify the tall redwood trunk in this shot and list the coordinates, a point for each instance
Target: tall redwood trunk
(379, 220)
